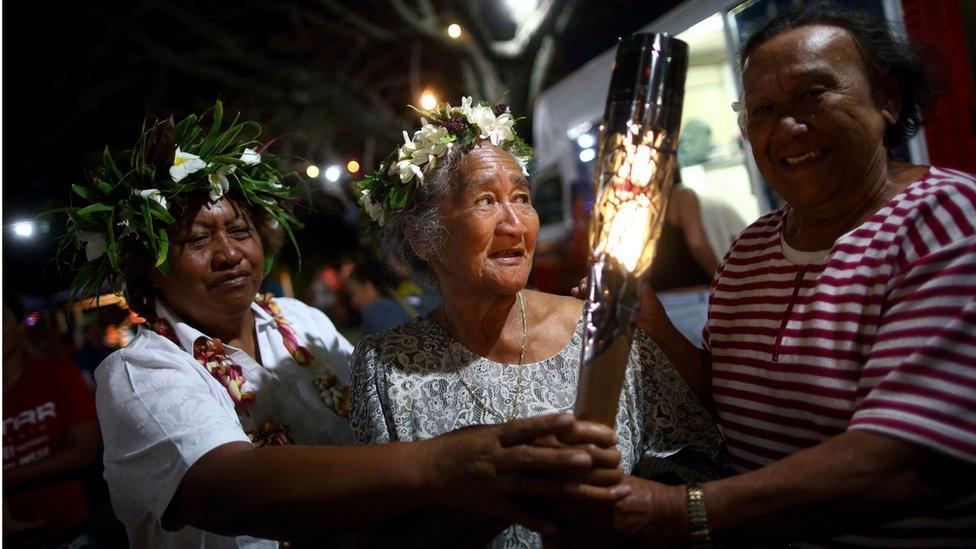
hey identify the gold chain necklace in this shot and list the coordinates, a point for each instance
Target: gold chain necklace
(518, 381)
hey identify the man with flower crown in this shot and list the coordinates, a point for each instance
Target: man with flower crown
(222, 418)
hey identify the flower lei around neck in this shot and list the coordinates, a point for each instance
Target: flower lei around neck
(391, 187)
(213, 357)
(124, 206)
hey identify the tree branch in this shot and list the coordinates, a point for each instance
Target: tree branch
(358, 21)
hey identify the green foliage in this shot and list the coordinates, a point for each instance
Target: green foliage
(109, 208)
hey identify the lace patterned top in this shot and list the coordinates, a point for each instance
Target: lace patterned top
(407, 386)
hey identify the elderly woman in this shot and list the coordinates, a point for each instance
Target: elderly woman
(842, 328)
(454, 201)
(216, 416)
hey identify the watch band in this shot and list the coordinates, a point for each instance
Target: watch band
(701, 538)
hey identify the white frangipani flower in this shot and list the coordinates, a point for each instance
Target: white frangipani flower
(419, 154)
(251, 157)
(218, 182)
(466, 107)
(373, 209)
(153, 194)
(95, 244)
(184, 164)
(497, 129)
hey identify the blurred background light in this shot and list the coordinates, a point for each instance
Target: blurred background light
(312, 171)
(353, 166)
(586, 140)
(428, 100)
(332, 173)
(24, 229)
(454, 31)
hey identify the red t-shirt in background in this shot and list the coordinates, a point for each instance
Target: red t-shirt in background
(50, 397)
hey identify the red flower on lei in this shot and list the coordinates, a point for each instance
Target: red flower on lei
(301, 355)
(210, 353)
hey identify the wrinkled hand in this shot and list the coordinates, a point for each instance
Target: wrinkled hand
(606, 469)
(487, 469)
(652, 513)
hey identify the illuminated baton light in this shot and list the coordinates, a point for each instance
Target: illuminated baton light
(634, 173)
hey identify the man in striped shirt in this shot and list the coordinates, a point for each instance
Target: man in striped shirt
(841, 339)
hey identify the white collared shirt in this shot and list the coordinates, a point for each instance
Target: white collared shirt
(160, 411)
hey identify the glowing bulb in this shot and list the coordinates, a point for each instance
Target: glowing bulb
(24, 229)
(312, 171)
(628, 233)
(428, 100)
(352, 166)
(332, 173)
(586, 140)
(454, 31)
(587, 155)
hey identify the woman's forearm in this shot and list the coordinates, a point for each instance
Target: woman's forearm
(301, 491)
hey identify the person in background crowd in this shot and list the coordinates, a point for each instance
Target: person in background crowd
(50, 438)
(93, 349)
(371, 291)
(840, 344)
(684, 263)
(218, 417)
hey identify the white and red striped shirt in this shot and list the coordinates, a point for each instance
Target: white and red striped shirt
(877, 333)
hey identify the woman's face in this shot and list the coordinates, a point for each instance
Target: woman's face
(491, 225)
(216, 265)
(816, 129)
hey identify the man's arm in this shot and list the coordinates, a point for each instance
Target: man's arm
(692, 363)
(850, 481)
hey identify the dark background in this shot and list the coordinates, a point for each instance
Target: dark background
(82, 75)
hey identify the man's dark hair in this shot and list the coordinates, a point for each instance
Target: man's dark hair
(885, 55)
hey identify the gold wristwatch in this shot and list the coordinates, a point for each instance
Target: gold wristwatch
(701, 538)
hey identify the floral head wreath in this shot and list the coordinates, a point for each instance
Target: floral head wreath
(391, 187)
(124, 205)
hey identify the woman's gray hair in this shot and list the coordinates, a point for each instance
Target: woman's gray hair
(414, 235)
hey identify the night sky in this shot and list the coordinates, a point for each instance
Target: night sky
(86, 74)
